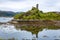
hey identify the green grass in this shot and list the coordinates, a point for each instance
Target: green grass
(35, 13)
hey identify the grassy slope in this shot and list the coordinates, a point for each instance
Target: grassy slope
(35, 13)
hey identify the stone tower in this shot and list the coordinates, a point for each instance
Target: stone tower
(37, 5)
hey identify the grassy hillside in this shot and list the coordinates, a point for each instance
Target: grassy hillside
(35, 13)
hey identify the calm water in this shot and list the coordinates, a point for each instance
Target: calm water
(8, 31)
(5, 19)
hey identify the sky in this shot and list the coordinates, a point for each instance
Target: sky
(25, 5)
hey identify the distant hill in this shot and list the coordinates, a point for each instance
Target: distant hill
(7, 13)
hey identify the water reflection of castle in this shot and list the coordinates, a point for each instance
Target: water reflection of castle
(35, 29)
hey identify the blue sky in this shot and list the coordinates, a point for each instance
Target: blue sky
(24, 5)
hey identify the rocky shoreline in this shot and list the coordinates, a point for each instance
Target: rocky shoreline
(34, 22)
(37, 23)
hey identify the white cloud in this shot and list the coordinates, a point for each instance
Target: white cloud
(23, 5)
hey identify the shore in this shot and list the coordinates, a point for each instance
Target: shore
(36, 22)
